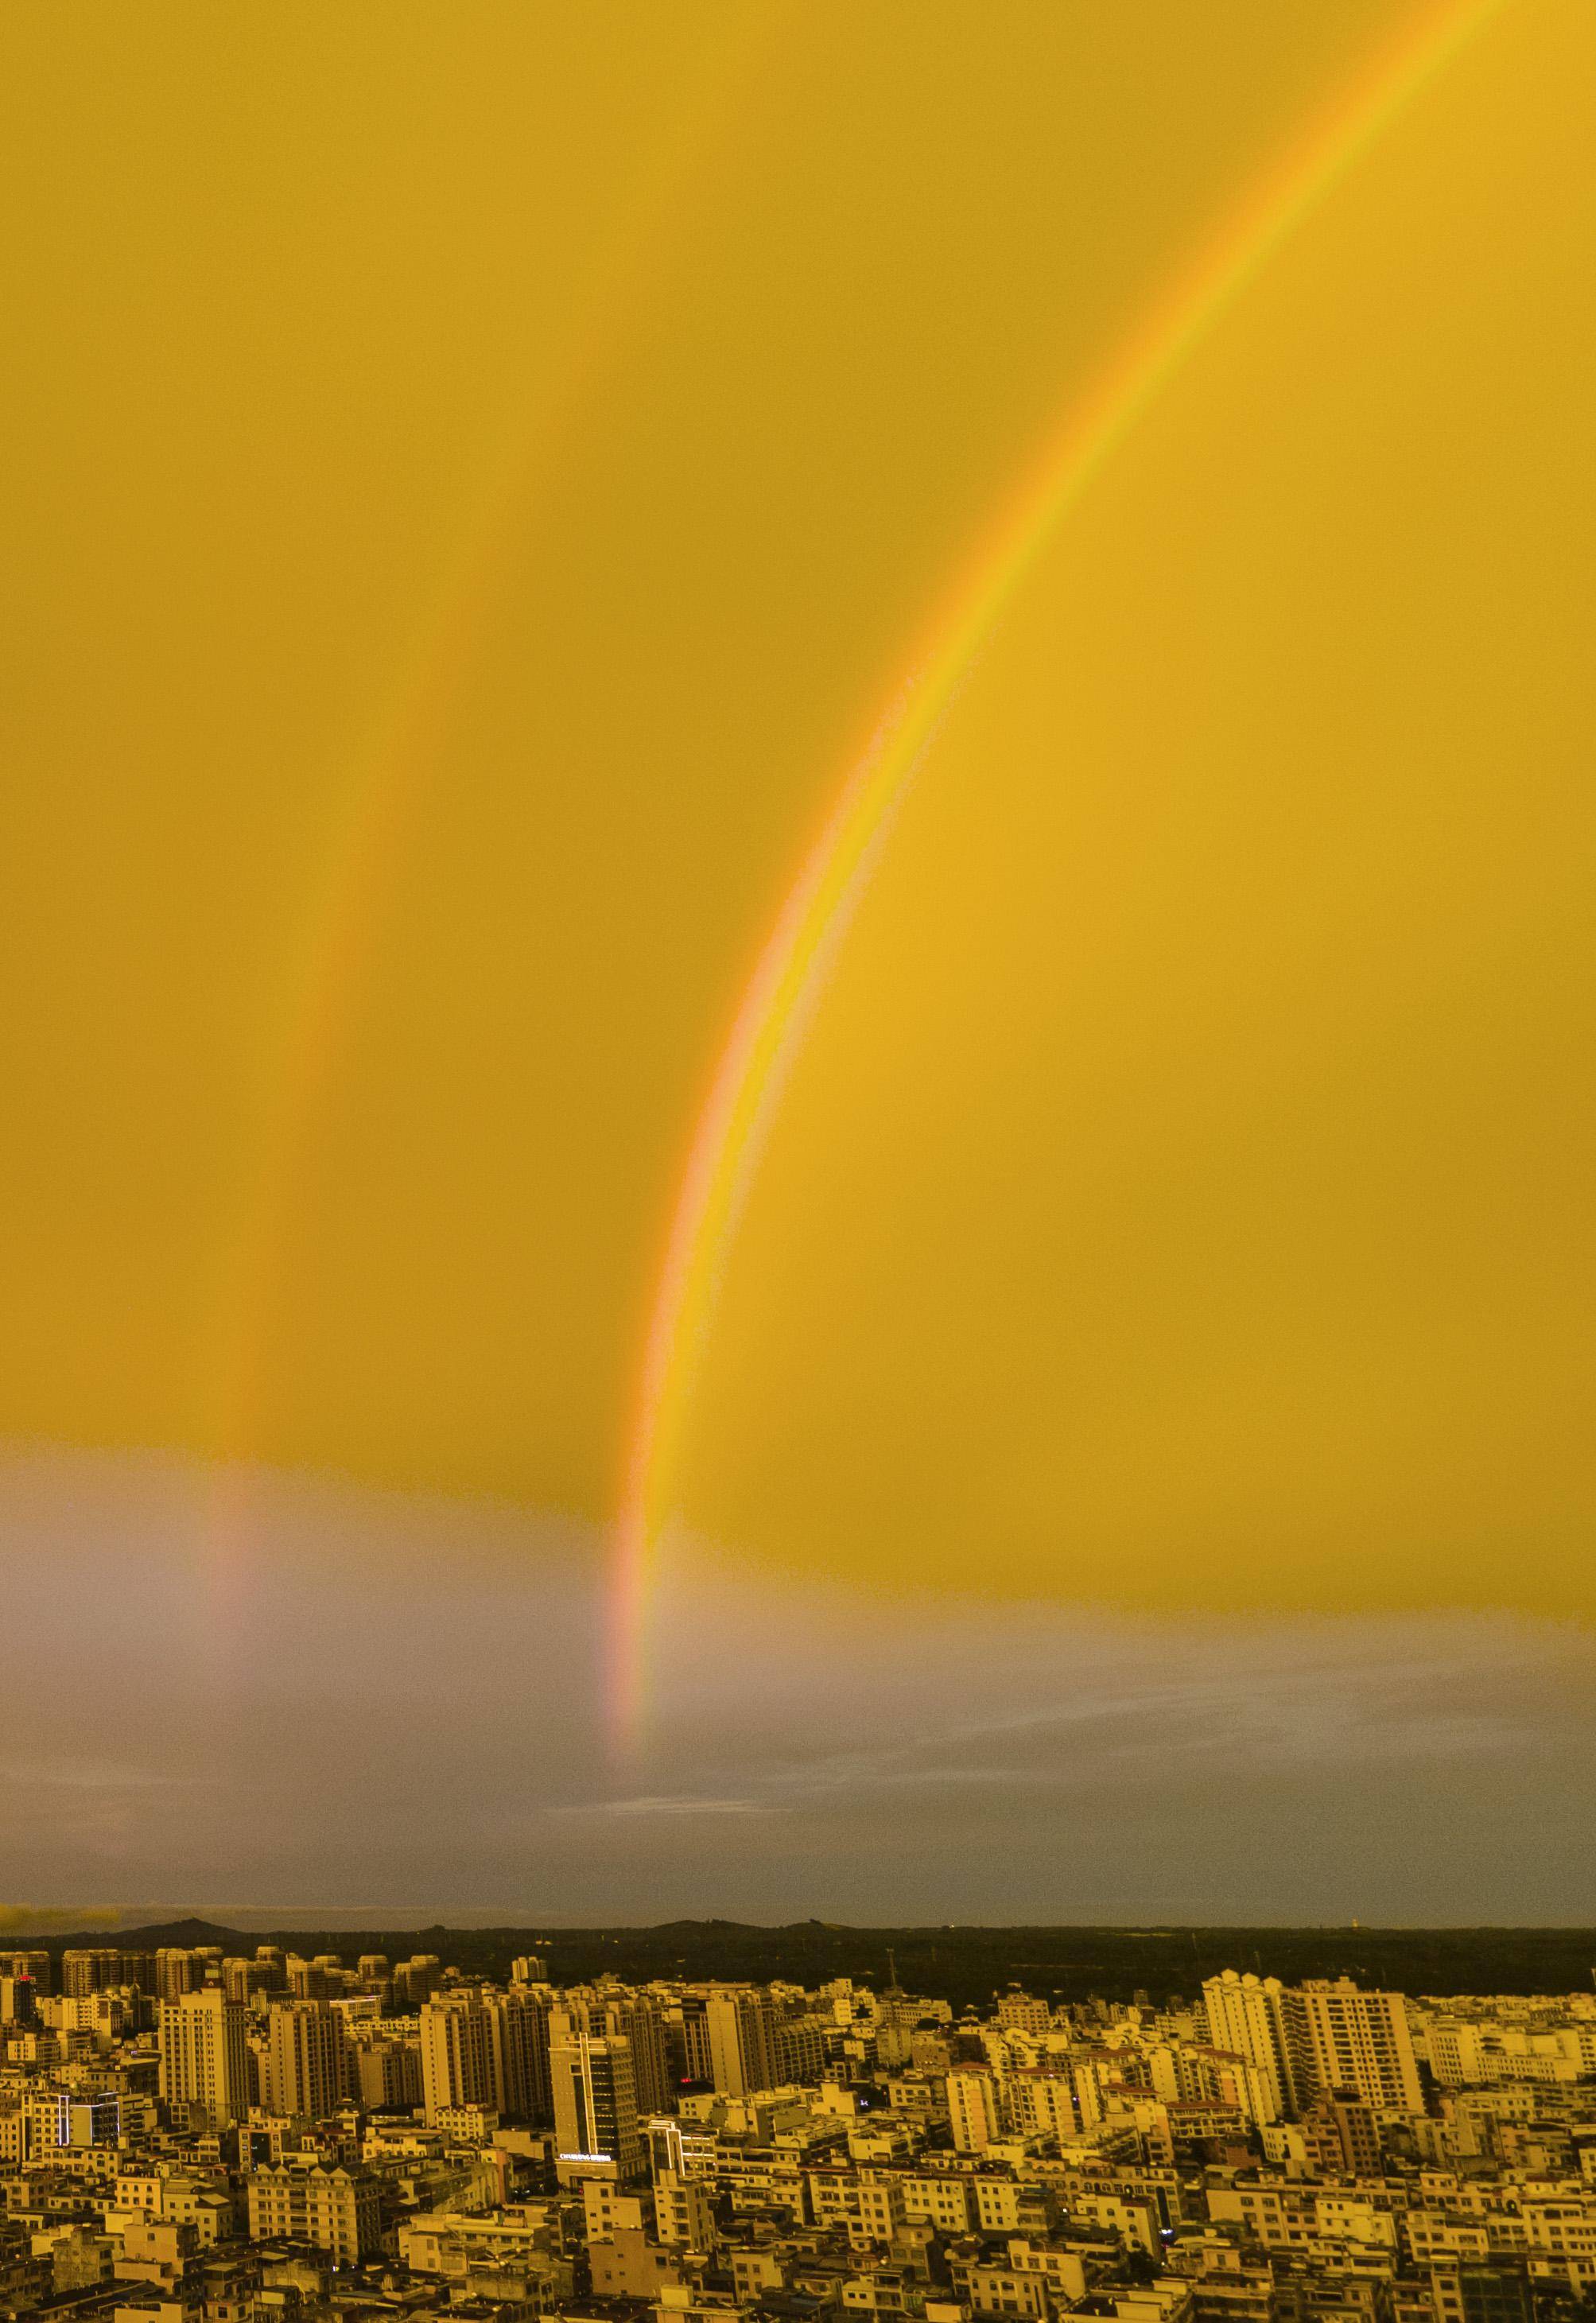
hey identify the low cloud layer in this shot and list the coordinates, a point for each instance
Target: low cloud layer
(359, 1705)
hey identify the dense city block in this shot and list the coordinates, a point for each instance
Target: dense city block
(191, 2136)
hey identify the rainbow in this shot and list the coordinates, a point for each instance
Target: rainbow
(788, 975)
(377, 787)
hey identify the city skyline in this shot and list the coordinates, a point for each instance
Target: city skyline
(187, 2132)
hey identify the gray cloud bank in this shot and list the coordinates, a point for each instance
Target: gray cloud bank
(356, 1703)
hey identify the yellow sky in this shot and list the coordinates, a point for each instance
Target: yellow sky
(525, 440)
(1185, 1193)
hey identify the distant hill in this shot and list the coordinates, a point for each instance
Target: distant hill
(965, 1965)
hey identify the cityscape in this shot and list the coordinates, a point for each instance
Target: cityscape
(798, 1162)
(189, 2135)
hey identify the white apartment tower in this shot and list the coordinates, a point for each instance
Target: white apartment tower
(1246, 2018)
(1309, 2039)
(204, 2059)
(1340, 2038)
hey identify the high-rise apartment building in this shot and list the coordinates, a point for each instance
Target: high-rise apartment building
(204, 2059)
(612, 2015)
(34, 1966)
(89, 1971)
(19, 1999)
(517, 2054)
(1339, 2038)
(176, 1971)
(386, 2072)
(641, 2021)
(1042, 2102)
(373, 1974)
(689, 2023)
(306, 2059)
(741, 2031)
(595, 2103)
(1317, 2036)
(416, 1979)
(1246, 2018)
(242, 1979)
(456, 2056)
(801, 2050)
(973, 2111)
(621, 2014)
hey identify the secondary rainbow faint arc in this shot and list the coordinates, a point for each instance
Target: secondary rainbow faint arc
(354, 872)
(789, 973)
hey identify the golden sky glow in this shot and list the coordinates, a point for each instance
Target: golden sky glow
(479, 475)
(1183, 1196)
